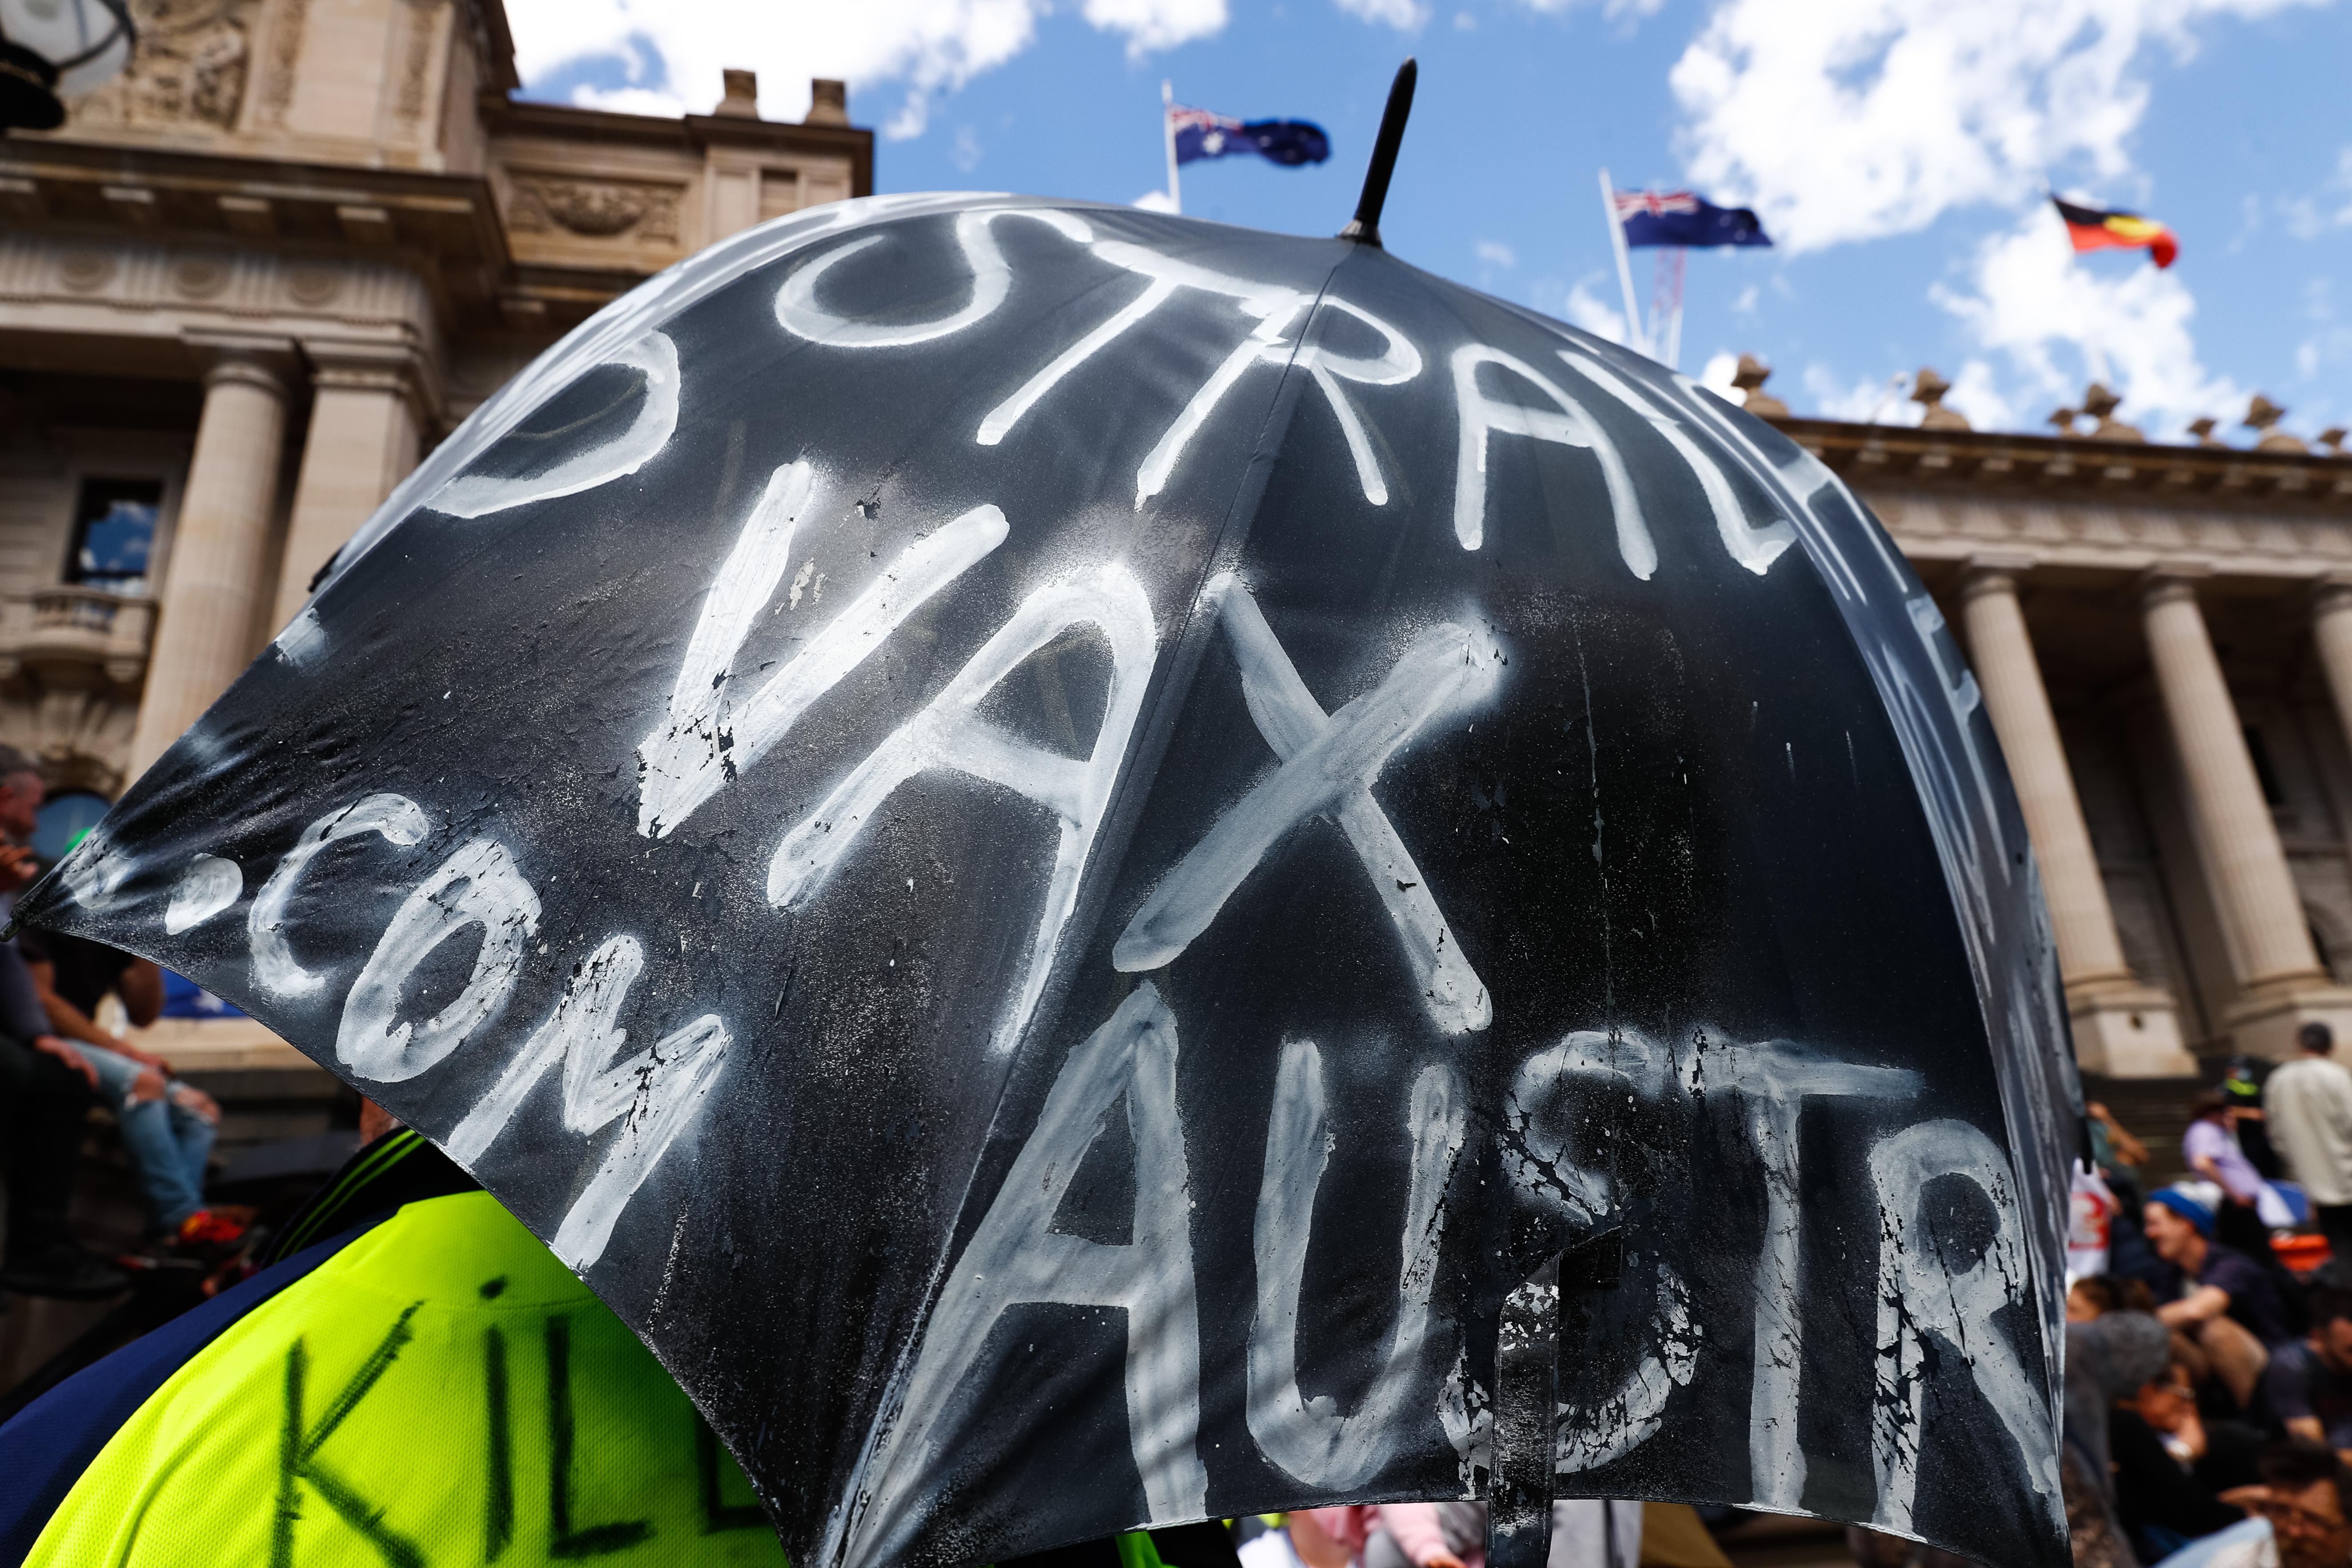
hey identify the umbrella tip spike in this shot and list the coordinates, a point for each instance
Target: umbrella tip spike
(1365, 227)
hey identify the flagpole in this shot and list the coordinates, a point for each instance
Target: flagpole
(1680, 260)
(1640, 339)
(1168, 135)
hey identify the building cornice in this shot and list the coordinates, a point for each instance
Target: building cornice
(504, 116)
(2086, 471)
(93, 190)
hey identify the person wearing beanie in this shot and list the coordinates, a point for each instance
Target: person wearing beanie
(2226, 1303)
(2309, 1107)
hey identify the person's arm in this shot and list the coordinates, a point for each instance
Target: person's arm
(2201, 1305)
(50, 1046)
(71, 1021)
(2128, 1150)
(2210, 1168)
(2307, 1427)
(140, 987)
(1312, 1538)
(1417, 1534)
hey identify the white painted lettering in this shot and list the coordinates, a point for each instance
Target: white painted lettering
(208, 886)
(1015, 1257)
(1774, 1079)
(800, 314)
(1310, 1439)
(703, 738)
(653, 1094)
(1924, 1291)
(274, 969)
(655, 358)
(1327, 765)
(1754, 548)
(478, 885)
(1565, 423)
(950, 733)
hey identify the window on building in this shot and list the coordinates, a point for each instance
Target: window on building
(114, 531)
(65, 818)
(2267, 775)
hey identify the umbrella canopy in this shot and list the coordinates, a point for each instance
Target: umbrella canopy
(1058, 846)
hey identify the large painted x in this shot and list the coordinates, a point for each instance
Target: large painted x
(1328, 762)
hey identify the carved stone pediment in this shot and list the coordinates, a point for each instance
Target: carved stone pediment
(190, 66)
(595, 209)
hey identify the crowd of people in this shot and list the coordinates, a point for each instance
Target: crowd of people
(1584, 1535)
(57, 1063)
(2209, 1341)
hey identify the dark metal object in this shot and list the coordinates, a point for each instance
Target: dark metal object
(31, 78)
(1053, 886)
(28, 99)
(1526, 1406)
(1542, 1326)
(1364, 228)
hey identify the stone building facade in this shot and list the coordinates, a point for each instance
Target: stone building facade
(250, 281)
(253, 278)
(2161, 636)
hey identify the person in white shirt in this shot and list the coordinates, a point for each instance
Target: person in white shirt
(2307, 1106)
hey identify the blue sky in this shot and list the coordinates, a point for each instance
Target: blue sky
(1896, 148)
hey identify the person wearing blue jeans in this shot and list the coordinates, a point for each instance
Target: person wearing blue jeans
(167, 1127)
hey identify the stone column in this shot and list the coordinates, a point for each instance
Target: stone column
(2331, 629)
(364, 427)
(220, 572)
(2280, 982)
(2121, 1026)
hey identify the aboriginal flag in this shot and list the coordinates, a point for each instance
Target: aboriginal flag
(2092, 229)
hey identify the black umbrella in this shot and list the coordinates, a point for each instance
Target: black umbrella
(1102, 868)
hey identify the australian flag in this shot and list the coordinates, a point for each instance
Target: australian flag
(1200, 134)
(1678, 218)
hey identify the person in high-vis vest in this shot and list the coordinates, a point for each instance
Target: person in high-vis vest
(417, 1381)
(412, 1379)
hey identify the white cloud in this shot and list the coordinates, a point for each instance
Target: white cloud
(1595, 315)
(1614, 10)
(1495, 253)
(966, 153)
(921, 47)
(1975, 394)
(2307, 217)
(1744, 304)
(1846, 119)
(1405, 16)
(1867, 400)
(1154, 201)
(629, 100)
(1716, 376)
(1152, 24)
(2058, 325)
